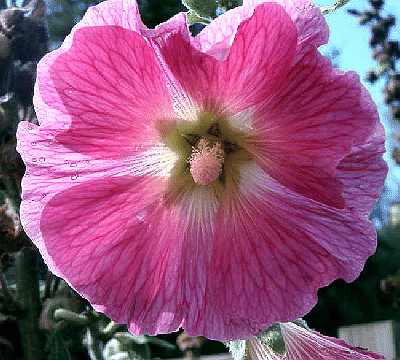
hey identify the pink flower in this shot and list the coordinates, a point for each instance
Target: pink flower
(302, 344)
(212, 183)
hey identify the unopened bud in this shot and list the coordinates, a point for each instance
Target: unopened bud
(12, 237)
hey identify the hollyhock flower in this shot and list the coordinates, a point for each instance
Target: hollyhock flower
(213, 182)
(301, 344)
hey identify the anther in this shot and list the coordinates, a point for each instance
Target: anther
(206, 162)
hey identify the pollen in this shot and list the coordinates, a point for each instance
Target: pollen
(206, 162)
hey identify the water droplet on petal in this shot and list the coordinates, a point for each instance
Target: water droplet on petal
(141, 215)
(67, 161)
(34, 159)
(42, 159)
(138, 148)
(74, 177)
(33, 143)
(73, 164)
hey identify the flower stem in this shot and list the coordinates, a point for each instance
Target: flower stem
(5, 289)
(328, 9)
(29, 300)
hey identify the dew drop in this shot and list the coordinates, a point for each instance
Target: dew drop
(73, 164)
(33, 143)
(42, 159)
(67, 161)
(138, 148)
(74, 177)
(141, 215)
(34, 159)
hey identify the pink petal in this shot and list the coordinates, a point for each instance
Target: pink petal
(362, 174)
(252, 69)
(273, 249)
(51, 168)
(311, 345)
(102, 250)
(176, 24)
(217, 37)
(121, 13)
(124, 13)
(133, 256)
(312, 29)
(309, 125)
(311, 26)
(107, 89)
(304, 344)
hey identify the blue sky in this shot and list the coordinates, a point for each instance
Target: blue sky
(355, 54)
(352, 39)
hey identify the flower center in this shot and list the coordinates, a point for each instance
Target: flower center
(206, 162)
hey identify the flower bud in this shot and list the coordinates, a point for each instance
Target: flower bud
(12, 237)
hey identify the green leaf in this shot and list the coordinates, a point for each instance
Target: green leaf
(210, 9)
(193, 18)
(162, 343)
(203, 8)
(56, 347)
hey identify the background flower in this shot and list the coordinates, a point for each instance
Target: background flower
(301, 344)
(109, 199)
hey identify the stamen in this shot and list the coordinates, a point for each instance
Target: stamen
(206, 162)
